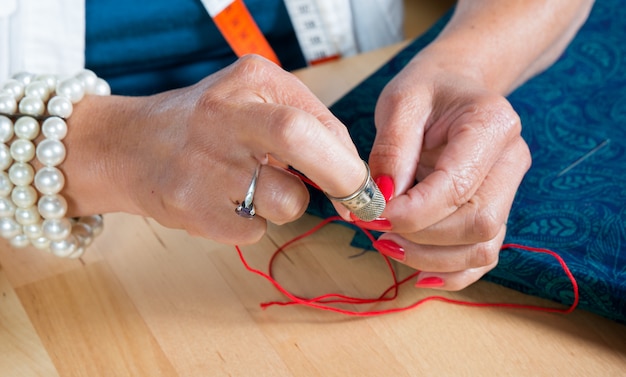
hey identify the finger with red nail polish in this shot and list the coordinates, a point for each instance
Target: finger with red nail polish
(430, 282)
(390, 249)
(386, 186)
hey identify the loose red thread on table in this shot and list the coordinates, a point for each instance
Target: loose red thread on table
(326, 301)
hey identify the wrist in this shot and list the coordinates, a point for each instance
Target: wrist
(503, 44)
(444, 60)
(99, 159)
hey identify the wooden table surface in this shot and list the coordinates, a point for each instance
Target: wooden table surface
(149, 301)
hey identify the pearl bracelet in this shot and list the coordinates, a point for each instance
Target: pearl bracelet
(32, 209)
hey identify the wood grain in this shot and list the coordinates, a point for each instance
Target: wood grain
(21, 351)
(90, 327)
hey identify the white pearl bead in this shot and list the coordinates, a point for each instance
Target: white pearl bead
(88, 79)
(50, 152)
(102, 88)
(8, 104)
(24, 77)
(64, 248)
(5, 157)
(26, 128)
(54, 128)
(71, 88)
(37, 89)
(20, 241)
(83, 233)
(41, 243)
(15, 87)
(50, 81)
(9, 228)
(21, 174)
(28, 93)
(33, 231)
(60, 106)
(27, 216)
(49, 180)
(22, 150)
(7, 207)
(6, 186)
(6, 129)
(52, 206)
(32, 106)
(56, 229)
(95, 222)
(24, 196)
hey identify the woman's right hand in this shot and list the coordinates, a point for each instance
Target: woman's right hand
(186, 157)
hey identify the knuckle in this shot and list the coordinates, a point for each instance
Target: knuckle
(483, 255)
(211, 104)
(500, 112)
(464, 279)
(493, 115)
(281, 197)
(290, 129)
(284, 204)
(463, 185)
(485, 224)
(398, 96)
(252, 66)
(289, 206)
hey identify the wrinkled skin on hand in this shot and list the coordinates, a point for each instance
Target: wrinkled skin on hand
(456, 156)
(186, 157)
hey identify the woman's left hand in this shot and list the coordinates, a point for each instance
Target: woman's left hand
(462, 144)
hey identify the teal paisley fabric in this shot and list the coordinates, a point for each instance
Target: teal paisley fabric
(573, 199)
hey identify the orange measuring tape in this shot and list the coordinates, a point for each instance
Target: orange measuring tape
(234, 21)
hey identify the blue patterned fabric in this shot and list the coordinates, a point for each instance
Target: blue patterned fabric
(573, 199)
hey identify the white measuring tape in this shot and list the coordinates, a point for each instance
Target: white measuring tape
(323, 27)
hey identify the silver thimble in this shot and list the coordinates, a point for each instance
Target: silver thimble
(367, 203)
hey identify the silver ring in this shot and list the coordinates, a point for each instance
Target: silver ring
(367, 203)
(246, 208)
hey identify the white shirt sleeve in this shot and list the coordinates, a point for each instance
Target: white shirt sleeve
(377, 23)
(41, 36)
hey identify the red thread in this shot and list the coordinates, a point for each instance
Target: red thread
(324, 302)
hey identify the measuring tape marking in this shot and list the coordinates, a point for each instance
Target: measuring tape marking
(237, 26)
(308, 18)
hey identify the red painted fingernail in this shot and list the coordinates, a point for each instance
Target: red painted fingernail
(386, 186)
(430, 282)
(380, 224)
(390, 249)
